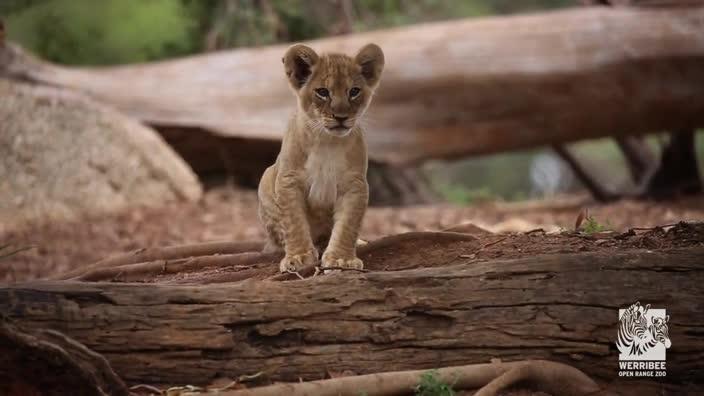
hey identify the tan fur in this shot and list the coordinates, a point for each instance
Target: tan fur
(316, 193)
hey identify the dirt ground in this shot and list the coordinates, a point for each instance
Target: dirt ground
(230, 215)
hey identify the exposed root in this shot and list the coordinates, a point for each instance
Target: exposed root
(167, 253)
(555, 378)
(46, 360)
(135, 272)
(544, 376)
(190, 258)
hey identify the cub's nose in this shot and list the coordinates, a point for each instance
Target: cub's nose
(340, 119)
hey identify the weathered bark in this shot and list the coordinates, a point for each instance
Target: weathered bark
(562, 308)
(46, 362)
(450, 89)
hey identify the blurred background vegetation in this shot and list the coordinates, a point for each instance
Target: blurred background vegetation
(90, 32)
(106, 32)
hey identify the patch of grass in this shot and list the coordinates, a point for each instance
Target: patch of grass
(431, 385)
(592, 226)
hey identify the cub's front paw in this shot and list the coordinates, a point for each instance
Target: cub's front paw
(332, 260)
(294, 262)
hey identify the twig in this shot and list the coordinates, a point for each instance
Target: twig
(177, 390)
(493, 243)
(303, 271)
(474, 255)
(534, 231)
(654, 228)
(146, 387)
(296, 273)
(117, 277)
(250, 377)
(340, 269)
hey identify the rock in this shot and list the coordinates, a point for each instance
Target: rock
(64, 156)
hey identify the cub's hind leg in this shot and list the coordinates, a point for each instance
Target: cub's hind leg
(269, 213)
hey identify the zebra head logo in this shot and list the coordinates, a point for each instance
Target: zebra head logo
(640, 332)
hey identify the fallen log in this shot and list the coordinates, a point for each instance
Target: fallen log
(450, 89)
(558, 307)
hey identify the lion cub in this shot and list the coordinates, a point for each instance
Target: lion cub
(316, 193)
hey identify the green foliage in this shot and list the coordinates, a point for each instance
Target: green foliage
(431, 385)
(10, 6)
(103, 32)
(462, 195)
(592, 226)
(502, 176)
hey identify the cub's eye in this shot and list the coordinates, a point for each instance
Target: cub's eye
(322, 92)
(354, 92)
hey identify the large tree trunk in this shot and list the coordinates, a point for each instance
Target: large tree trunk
(560, 307)
(450, 89)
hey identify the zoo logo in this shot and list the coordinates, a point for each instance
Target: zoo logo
(643, 338)
(642, 333)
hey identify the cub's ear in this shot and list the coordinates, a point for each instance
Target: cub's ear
(371, 59)
(298, 64)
